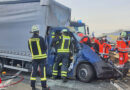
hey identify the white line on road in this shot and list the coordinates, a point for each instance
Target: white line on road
(118, 86)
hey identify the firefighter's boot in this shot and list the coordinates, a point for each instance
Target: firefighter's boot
(54, 77)
(65, 80)
(33, 88)
(48, 88)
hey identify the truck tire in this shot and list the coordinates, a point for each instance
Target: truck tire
(85, 73)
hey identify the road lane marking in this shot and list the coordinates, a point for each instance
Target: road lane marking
(120, 85)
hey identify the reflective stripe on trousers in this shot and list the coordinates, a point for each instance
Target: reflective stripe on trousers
(64, 58)
(64, 73)
(41, 64)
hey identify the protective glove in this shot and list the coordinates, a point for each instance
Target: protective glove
(71, 66)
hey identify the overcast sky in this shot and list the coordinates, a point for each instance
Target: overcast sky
(101, 15)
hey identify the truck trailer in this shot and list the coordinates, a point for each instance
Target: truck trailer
(16, 20)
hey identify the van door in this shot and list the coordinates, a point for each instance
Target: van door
(50, 53)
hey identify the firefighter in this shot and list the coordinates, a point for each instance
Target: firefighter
(55, 37)
(38, 48)
(104, 47)
(63, 45)
(122, 46)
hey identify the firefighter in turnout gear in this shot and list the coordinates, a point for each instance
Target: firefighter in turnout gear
(55, 36)
(122, 46)
(38, 48)
(62, 45)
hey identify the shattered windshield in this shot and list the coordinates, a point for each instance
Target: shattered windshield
(77, 37)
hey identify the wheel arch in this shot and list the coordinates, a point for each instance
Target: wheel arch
(83, 62)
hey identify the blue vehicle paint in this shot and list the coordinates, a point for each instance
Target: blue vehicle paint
(84, 54)
(90, 55)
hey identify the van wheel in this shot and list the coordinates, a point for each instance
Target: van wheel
(85, 73)
(1, 65)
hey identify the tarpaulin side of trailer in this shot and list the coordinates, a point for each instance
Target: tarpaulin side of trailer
(17, 18)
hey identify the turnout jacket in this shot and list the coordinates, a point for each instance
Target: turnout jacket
(59, 42)
(37, 47)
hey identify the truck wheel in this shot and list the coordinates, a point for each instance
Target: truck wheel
(1, 65)
(85, 73)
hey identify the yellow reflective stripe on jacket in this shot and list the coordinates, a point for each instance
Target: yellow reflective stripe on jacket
(62, 46)
(33, 78)
(62, 49)
(40, 55)
(30, 45)
(39, 48)
(43, 55)
(53, 35)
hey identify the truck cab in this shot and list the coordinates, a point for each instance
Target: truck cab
(80, 27)
(84, 64)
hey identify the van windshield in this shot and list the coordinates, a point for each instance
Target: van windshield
(77, 37)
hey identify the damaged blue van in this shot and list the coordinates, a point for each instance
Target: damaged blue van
(85, 65)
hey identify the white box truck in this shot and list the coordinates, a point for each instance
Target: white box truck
(16, 20)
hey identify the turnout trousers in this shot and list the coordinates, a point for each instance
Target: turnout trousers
(42, 66)
(123, 58)
(64, 59)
